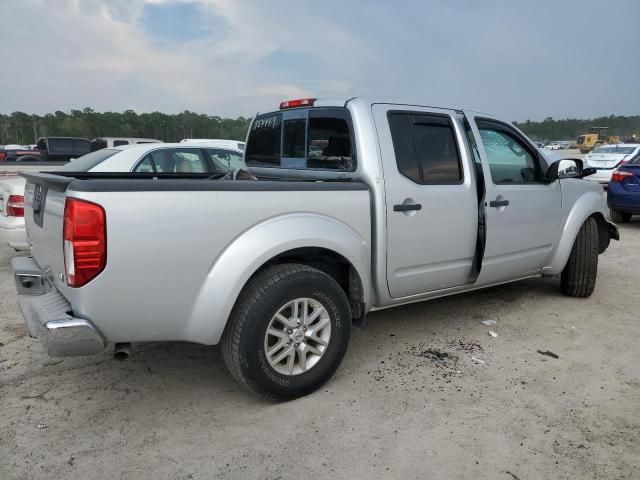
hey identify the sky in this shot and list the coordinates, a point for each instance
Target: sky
(519, 60)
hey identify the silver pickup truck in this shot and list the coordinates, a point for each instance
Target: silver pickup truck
(358, 206)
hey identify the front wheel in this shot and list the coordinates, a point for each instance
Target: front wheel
(579, 275)
(619, 217)
(288, 332)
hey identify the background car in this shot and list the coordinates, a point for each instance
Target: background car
(623, 194)
(606, 158)
(157, 158)
(110, 142)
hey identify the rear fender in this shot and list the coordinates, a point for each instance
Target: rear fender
(588, 204)
(255, 247)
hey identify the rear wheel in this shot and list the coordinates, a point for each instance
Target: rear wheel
(288, 332)
(618, 216)
(579, 274)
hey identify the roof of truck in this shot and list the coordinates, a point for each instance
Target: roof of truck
(342, 101)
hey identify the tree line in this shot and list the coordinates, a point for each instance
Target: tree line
(571, 128)
(23, 128)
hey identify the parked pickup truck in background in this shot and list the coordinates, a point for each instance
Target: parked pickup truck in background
(359, 206)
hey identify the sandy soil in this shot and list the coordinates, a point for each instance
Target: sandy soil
(409, 401)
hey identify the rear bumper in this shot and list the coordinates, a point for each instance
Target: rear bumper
(12, 231)
(48, 314)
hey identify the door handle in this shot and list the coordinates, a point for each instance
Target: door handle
(498, 203)
(405, 207)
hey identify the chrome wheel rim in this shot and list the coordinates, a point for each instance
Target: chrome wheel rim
(297, 336)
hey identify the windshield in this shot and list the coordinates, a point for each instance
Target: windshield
(615, 149)
(88, 161)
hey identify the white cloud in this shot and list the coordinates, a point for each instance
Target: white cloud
(524, 62)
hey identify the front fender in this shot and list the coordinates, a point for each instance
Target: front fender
(584, 206)
(256, 246)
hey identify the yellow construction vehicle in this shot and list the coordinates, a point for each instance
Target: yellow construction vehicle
(595, 137)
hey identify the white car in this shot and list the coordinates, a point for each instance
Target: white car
(606, 158)
(12, 212)
(158, 158)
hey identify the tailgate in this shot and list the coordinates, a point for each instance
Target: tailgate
(44, 200)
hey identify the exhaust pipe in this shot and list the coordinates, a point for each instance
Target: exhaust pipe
(122, 352)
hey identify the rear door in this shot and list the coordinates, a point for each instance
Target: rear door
(523, 210)
(431, 199)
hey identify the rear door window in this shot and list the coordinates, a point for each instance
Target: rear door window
(426, 148)
(176, 160)
(317, 138)
(230, 159)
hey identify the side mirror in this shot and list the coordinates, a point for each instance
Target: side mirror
(568, 168)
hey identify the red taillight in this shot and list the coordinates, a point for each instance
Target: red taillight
(3, 155)
(85, 241)
(301, 102)
(15, 206)
(618, 176)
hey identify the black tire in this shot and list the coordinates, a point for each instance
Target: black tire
(579, 274)
(243, 342)
(619, 217)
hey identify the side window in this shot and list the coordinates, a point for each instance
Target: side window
(329, 145)
(174, 160)
(426, 148)
(229, 159)
(117, 143)
(510, 159)
(145, 166)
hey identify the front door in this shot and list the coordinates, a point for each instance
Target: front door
(431, 199)
(523, 210)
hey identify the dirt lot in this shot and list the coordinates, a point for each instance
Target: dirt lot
(408, 402)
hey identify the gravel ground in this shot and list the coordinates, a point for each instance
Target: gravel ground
(409, 401)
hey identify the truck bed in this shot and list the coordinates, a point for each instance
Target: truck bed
(167, 239)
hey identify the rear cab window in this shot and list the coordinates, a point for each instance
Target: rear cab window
(302, 139)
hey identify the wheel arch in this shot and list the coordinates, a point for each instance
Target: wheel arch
(588, 205)
(309, 239)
